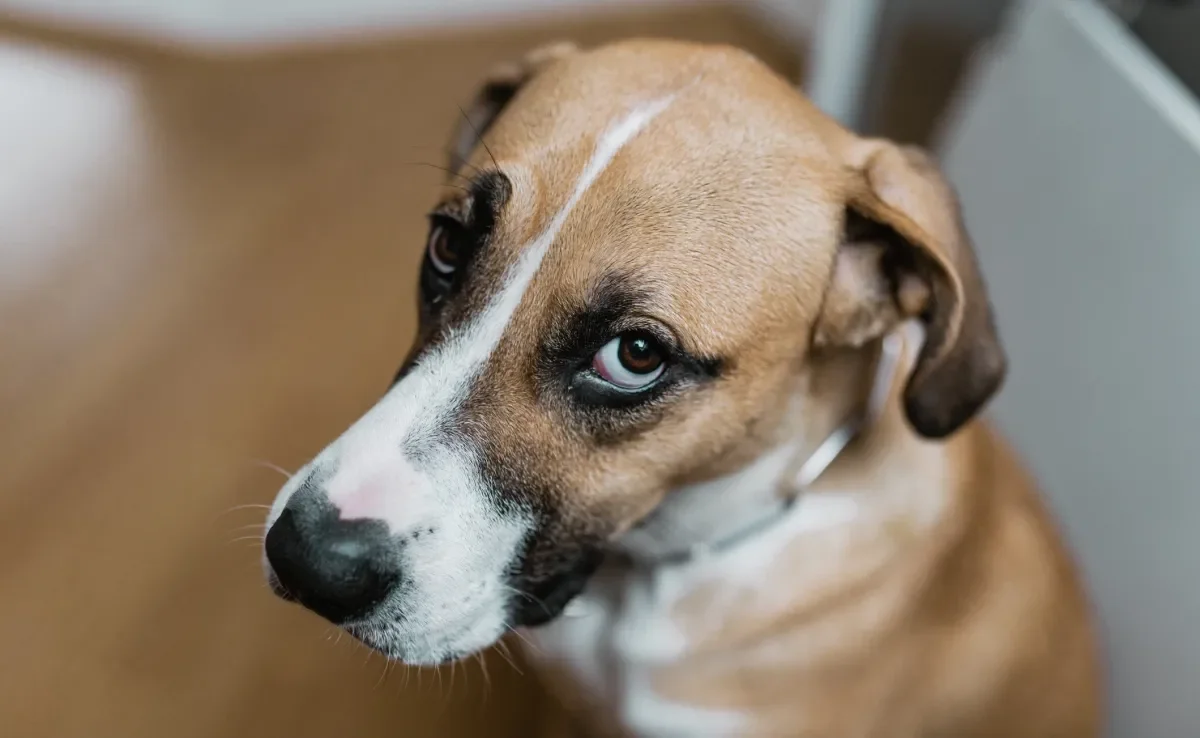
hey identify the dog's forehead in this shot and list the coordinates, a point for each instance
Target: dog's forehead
(732, 192)
(721, 91)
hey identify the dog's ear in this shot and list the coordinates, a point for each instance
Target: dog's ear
(907, 255)
(497, 90)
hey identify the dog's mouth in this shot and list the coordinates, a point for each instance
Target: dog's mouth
(540, 600)
(528, 606)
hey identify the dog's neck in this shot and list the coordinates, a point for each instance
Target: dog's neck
(825, 412)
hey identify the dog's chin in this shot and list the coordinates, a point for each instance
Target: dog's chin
(408, 654)
(427, 648)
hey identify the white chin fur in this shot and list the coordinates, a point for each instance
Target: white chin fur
(417, 647)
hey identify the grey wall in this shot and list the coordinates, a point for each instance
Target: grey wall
(1078, 162)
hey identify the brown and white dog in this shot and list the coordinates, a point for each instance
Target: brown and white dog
(705, 366)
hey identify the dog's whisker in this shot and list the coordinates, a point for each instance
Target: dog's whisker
(474, 168)
(504, 649)
(527, 596)
(249, 526)
(522, 637)
(447, 170)
(382, 675)
(479, 137)
(239, 508)
(273, 467)
(249, 506)
(448, 694)
(487, 678)
(406, 674)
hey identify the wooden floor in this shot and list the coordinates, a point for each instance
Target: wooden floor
(206, 266)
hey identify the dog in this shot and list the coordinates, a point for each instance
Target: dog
(695, 403)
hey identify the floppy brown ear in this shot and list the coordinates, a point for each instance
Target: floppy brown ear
(497, 90)
(907, 255)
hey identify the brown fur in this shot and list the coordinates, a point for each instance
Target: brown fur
(954, 612)
(950, 608)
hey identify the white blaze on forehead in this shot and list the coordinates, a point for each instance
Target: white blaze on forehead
(472, 348)
(441, 379)
(413, 409)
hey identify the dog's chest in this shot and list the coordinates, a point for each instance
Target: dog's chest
(616, 640)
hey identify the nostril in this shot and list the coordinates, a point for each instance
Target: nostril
(339, 569)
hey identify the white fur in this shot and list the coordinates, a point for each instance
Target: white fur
(458, 599)
(623, 626)
(710, 511)
(622, 632)
(650, 715)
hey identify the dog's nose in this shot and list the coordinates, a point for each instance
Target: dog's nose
(339, 569)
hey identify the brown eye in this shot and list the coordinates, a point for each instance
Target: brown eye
(630, 361)
(442, 254)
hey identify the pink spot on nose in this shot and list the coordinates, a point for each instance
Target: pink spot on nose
(371, 499)
(391, 491)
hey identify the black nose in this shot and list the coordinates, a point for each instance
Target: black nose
(339, 569)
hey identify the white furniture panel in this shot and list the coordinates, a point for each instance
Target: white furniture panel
(1078, 160)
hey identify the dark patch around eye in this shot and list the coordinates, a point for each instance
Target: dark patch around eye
(468, 224)
(606, 413)
(573, 341)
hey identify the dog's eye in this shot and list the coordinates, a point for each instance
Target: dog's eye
(445, 254)
(631, 361)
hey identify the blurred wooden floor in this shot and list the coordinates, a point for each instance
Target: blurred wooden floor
(205, 265)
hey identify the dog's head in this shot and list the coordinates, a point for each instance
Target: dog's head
(655, 241)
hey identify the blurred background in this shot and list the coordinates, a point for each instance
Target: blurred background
(211, 215)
